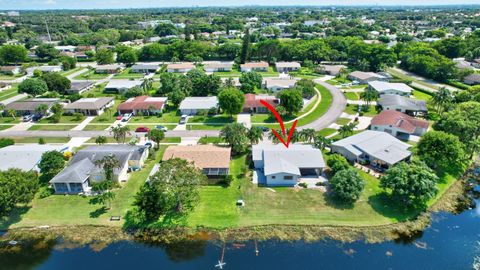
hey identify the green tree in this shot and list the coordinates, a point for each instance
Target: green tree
(120, 133)
(108, 163)
(235, 134)
(42, 109)
(410, 184)
(157, 136)
(33, 87)
(291, 100)
(104, 56)
(231, 101)
(255, 134)
(441, 99)
(56, 82)
(347, 130)
(347, 185)
(321, 142)
(68, 63)
(172, 191)
(245, 51)
(307, 88)
(52, 162)
(250, 81)
(337, 163)
(369, 95)
(440, 150)
(46, 51)
(13, 54)
(128, 57)
(101, 140)
(16, 187)
(307, 135)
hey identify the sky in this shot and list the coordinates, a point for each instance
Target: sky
(105, 4)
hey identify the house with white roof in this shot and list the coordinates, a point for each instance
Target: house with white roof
(254, 66)
(377, 148)
(145, 68)
(388, 88)
(218, 67)
(365, 77)
(25, 157)
(191, 105)
(90, 106)
(403, 104)
(121, 86)
(280, 166)
(180, 67)
(278, 84)
(286, 67)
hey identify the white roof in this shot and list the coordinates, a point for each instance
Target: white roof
(287, 64)
(198, 103)
(279, 82)
(119, 84)
(378, 144)
(278, 159)
(381, 87)
(24, 157)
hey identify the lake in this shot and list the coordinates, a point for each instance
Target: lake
(451, 242)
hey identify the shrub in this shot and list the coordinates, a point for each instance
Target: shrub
(41, 141)
(44, 192)
(228, 180)
(4, 142)
(337, 163)
(304, 185)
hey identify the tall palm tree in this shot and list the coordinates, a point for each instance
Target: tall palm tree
(42, 109)
(255, 134)
(369, 95)
(2, 109)
(147, 84)
(12, 113)
(272, 137)
(441, 99)
(307, 135)
(347, 129)
(321, 142)
(120, 133)
(108, 163)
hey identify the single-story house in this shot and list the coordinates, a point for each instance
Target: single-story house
(81, 172)
(472, 79)
(388, 88)
(252, 103)
(30, 106)
(66, 48)
(218, 67)
(121, 86)
(403, 104)
(80, 55)
(5, 86)
(191, 105)
(145, 68)
(278, 84)
(366, 77)
(84, 48)
(254, 66)
(213, 160)
(79, 87)
(398, 124)
(285, 166)
(11, 70)
(180, 67)
(25, 157)
(286, 67)
(378, 148)
(90, 106)
(145, 104)
(44, 69)
(332, 70)
(109, 69)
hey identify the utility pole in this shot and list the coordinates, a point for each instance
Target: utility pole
(48, 31)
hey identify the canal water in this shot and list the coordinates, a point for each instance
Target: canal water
(451, 242)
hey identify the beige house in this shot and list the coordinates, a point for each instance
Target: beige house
(180, 67)
(254, 66)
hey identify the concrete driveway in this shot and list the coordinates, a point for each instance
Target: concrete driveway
(245, 119)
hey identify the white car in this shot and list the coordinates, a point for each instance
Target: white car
(126, 117)
(183, 119)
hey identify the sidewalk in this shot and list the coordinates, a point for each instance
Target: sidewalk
(84, 123)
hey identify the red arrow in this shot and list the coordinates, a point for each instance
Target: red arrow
(282, 126)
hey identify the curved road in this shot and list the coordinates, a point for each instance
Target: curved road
(336, 109)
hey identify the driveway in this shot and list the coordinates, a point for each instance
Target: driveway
(84, 123)
(245, 119)
(336, 109)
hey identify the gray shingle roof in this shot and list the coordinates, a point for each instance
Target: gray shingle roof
(79, 86)
(75, 173)
(407, 103)
(31, 104)
(24, 157)
(89, 103)
(198, 103)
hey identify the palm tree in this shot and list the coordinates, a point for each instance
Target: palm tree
(273, 137)
(150, 109)
(321, 142)
(147, 84)
(42, 109)
(369, 95)
(108, 110)
(307, 135)
(441, 99)
(2, 109)
(347, 129)
(12, 113)
(120, 133)
(108, 163)
(255, 134)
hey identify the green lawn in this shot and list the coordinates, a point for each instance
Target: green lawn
(71, 71)
(352, 95)
(65, 119)
(91, 75)
(322, 108)
(126, 74)
(236, 73)
(5, 77)
(95, 127)
(421, 95)
(52, 127)
(205, 127)
(108, 117)
(150, 126)
(216, 119)
(10, 120)
(60, 210)
(213, 140)
(9, 93)
(353, 109)
(3, 127)
(326, 132)
(46, 139)
(167, 117)
(343, 121)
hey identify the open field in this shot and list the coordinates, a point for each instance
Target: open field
(45, 139)
(52, 127)
(91, 75)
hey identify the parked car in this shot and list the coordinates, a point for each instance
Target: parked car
(148, 144)
(183, 119)
(27, 118)
(142, 129)
(119, 117)
(264, 128)
(37, 117)
(126, 117)
(162, 128)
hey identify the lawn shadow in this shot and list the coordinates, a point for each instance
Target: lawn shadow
(383, 205)
(14, 217)
(334, 202)
(98, 212)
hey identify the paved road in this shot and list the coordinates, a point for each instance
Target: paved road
(83, 133)
(336, 109)
(425, 82)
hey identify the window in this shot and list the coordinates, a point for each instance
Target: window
(288, 177)
(273, 176)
